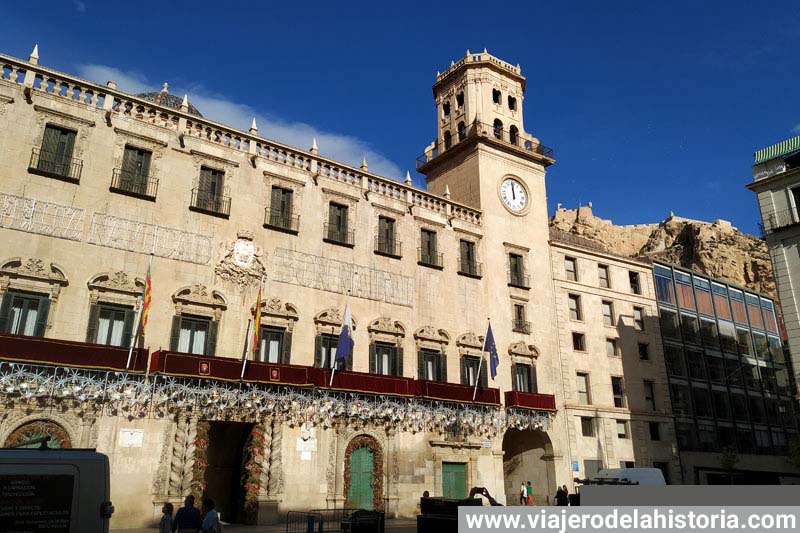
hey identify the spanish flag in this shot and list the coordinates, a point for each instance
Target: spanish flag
(148, 289)
(257, 324)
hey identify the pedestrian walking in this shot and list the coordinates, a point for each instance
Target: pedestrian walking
(562, 497)
(210, 518)
(529, 493)
(523, 494)
(188, 518)
(165, 525)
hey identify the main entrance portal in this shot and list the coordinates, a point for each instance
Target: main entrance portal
(528, 456)
(362, 472)
(228, 444)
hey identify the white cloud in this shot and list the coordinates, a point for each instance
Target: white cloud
(80, 7)
(342, 147)
(796, 129)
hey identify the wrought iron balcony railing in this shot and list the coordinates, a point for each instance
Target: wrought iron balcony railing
(388, 247)
(521, 326)
(129, 183)
(281, 221)
(470, 268)
(338, 235)
(780, 219)
(510, 137)
(56, 166)
(430, 258)
(519, 280)
(211, 203)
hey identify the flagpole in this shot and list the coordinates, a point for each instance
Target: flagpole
(333, 369)
(480, 362)
(136, 335)
(246, 348)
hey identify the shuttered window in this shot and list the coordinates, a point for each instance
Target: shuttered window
(467, 258)
(337, 222)
(428, 253)
(524, 378)
(56, 152)
(386, 235)
(194, 334)
(24, 313)
(136, 164)
(386, 359)
(280, 209)
(432, 365)
(110, 324)
(470, 367)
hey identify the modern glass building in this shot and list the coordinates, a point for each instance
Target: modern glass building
(729, 378)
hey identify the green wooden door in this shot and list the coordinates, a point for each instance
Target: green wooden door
(362, 472)
(454, 480)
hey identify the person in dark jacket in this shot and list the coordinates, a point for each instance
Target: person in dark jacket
(188, 518)
(562, 496)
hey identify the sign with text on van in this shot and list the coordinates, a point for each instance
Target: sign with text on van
(33, 503)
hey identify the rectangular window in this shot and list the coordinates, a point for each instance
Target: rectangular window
(194, 335)
(386, 242)
(386, 360)
(469, 371)
(655, 430)
(622, 429)
(697, 365)
(716, 369)
(575, 311)
(55, 155)
(673, 355)
(209, 195)
(525, 378)
(608, 313)
(134, 175)
(280, 209)
(584, 396)
(578, 342)
(516, 271)
(638, 318)
(669, 323)
(722, 405)
(520, 324)
(467, 259)
(683, 287)
(744, 342)
(618, 391)
(611, 348)
(24, 313)
(727, 336)
(681, 402)
(587, 426)
(737, 306)
(602, 275)
(665, 290)
(337, 230)
(650, 395)
(768, 310)
(326, 350)
(708, 333)
(270, 342)
(702, 402)
(114, 325)
(644, 351)
(428, 254)
(571, 268)
(702, 292)
(431, 365)
(690, 328)
(633, 279)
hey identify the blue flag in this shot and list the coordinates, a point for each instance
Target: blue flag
(344, 348)
(488, 345)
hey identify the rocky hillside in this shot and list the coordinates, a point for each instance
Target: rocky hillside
(714, 248)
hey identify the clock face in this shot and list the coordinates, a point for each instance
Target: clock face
(513, 195)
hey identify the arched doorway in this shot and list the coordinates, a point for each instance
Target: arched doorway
(528, 456)
(31, 435)
(363, 474)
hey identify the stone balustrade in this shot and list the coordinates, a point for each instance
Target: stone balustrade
(36, 78)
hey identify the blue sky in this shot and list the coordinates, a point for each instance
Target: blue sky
(651, 107)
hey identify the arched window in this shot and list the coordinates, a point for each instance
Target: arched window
(496, 97)
(462, 131)
(512, 103)
(513, 133)
(446, 109)
(498, 128)
(447, 140)
(460, 100)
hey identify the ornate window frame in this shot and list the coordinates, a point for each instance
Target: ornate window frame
(430, 338)
(31, 274)
(329, 321)
(275, 312)
(384, 329)
(198, 300)
(117, 287)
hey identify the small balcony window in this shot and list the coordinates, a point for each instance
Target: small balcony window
(54, 157)
(524, 378)
(470, 367)
(386, 242)
(279, 215)
(110, 324)
(468, 266)
(134, 177)
(520, 324)
(336, 229)
(209, 196)
(516, 272)
(194, 334)
(428, 253)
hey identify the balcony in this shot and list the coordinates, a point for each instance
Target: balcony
(507, 138)
(339, 235)
(780, 219)
(518, 280)
(210, 203)
(144, 187)
(56, 352)
(366, 383)
(471, 269)
(281, 221)
(229, 369)
(55, 165)
(388, 247)
(531, 400)
(454, 392)
(521, 326)
(430, 259)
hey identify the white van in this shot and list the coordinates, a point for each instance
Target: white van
(58, 491)
(631, 476)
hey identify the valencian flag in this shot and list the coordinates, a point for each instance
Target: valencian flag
(344, 347)
(257, 324)
(147, 296)
(489, 346)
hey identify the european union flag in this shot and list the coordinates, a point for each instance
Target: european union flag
(488, 345)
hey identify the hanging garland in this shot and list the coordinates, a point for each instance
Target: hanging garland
(200, 460)
(252, 469)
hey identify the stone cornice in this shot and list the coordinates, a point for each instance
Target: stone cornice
(65, 116)
(140, 136)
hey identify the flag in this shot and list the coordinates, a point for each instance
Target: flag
(257, 324)
(146, 297)
(488, 345)
(344, 348)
